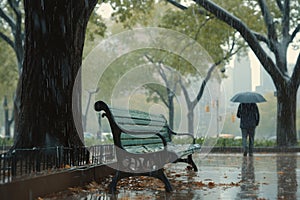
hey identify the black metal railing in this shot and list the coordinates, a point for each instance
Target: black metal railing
(24, 162)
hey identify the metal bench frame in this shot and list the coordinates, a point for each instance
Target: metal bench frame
(148, 163)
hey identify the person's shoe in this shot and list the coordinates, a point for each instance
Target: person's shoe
(245, 153)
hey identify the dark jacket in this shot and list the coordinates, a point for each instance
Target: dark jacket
(249, 114)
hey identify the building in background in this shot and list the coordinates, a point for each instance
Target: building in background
(242, 76)
(266, 82)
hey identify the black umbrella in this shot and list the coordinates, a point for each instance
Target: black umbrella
(248, 97)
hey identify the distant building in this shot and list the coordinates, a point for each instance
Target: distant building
(266, 82)
(228, 83)
(242, 77)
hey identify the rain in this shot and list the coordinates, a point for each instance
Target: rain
(186, 99)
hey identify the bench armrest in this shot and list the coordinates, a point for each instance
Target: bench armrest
(185, 134)
(162, 138)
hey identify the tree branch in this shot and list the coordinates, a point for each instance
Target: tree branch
(261, 38)
(176, 4)
(297, 29)
(161, 72)
(279, 4)
(269, 22)
(201, 25)
(185, 92)
(18, 37)
(7, 40)
(15, 7)
(286, 19)
(246, 33)
(8, 19)
(182, 7)
(159, 94)
(211, 69)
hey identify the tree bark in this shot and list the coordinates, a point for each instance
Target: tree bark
(286, 116)
(55, 33)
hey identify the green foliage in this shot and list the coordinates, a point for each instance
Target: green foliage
(8, 71)
(96, 26)
(6, 142)
(129, 13)
(212, 34)
(96, 141)
(231, 142)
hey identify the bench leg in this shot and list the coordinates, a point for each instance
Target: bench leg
(161, 175)
(114, 182)
(191, 162)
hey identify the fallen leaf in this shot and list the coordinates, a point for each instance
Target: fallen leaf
(199, 184)
(211, 184)
(67, 166)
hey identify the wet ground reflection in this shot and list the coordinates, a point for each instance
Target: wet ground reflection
(220, 176)
(249, 188)
(287, 177)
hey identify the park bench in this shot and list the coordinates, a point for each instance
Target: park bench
(144, 144)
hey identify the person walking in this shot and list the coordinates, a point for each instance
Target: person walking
(249, 119)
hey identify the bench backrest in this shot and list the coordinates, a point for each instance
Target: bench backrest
(136, 128)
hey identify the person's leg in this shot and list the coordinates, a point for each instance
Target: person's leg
(244, 141)
(251, 141)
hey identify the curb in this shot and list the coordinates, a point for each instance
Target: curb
(256, 149)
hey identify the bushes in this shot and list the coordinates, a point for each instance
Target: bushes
(231, 142)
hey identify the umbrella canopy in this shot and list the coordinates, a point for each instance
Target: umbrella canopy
(248, 97)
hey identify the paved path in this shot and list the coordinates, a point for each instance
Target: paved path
(220, 176)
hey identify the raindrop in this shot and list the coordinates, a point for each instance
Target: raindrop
(42, 5)
(43, 25)
(62, 24)
(86, 4)
(36, 21)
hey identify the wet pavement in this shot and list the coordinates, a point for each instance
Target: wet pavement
(220, 176)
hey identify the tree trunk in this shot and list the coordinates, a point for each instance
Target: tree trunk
(7, 121)
(286, 116)
(171, 109)
(55, 33)
(190, 116)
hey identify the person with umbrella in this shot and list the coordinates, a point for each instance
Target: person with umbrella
(249, 117)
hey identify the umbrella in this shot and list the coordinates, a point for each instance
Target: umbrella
(248, 97)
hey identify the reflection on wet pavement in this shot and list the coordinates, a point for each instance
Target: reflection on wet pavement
(248, 185)
(220, 176)
(287, 177)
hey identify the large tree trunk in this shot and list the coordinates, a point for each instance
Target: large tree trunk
(55, 33)
(286, 116)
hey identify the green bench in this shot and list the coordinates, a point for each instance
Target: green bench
(144, 144)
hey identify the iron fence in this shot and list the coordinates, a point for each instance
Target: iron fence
(25, 162)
